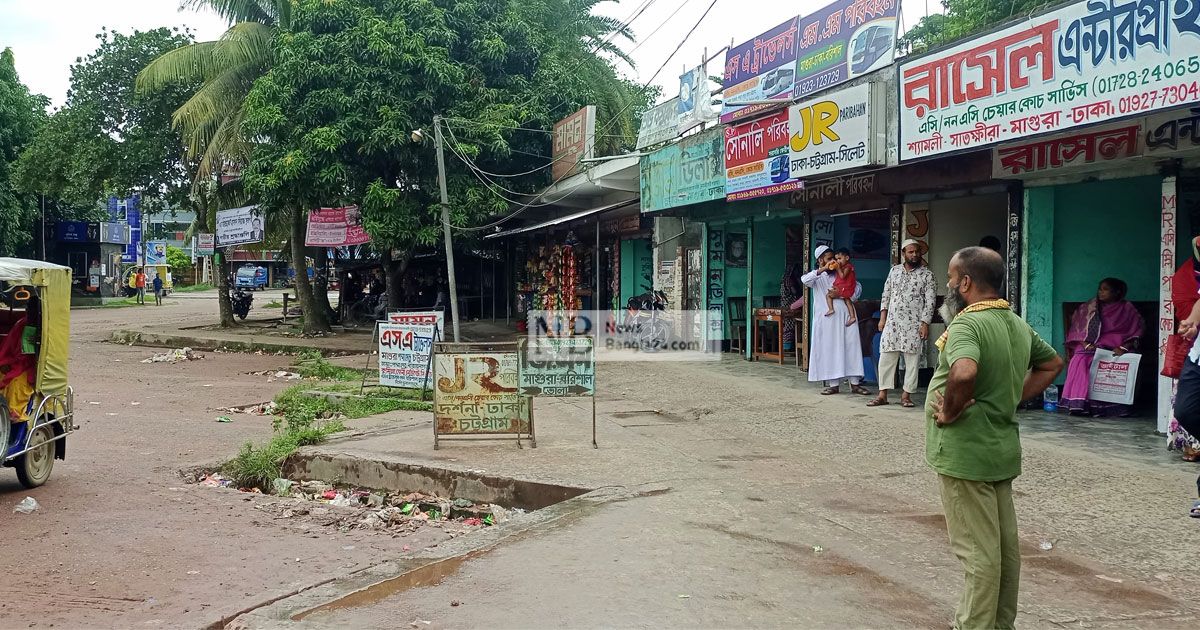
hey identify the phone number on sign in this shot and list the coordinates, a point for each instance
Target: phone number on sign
(1160, 98)
(1146, 76)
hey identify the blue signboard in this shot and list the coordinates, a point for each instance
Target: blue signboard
(72, 232)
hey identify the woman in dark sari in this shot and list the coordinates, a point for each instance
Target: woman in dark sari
(790, 291)
(1107, 322)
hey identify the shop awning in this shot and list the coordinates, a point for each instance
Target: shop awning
(565, 219)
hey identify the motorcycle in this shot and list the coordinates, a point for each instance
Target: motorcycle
(649, 329)
(241, 300)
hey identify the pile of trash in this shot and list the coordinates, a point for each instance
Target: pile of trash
(277, 375)
(175, 356)
(257, 409)
(347, 508)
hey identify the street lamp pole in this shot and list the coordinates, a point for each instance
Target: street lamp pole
(453, 283)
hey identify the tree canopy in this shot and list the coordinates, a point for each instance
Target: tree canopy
(352, 80)
(21, 114)
(963, 18)
(109, 139)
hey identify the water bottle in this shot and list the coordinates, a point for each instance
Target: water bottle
(1050, 399)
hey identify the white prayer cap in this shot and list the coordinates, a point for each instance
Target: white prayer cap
(911, 241)
(820, 251)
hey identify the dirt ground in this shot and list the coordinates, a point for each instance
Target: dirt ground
(120, 539)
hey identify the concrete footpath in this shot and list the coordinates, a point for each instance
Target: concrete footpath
(741, 498)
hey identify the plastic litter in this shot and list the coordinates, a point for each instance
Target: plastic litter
(216, 480)
(281, 486)
(818, 549)
(1046, 545)
(174, 356)
(224, 419)
(341, 500)
(27, 506)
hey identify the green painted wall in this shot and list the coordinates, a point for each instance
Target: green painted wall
(637, 262)
(1102, 229)
(1038, 263)
(769, 243)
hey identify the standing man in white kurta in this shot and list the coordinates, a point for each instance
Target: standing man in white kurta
(836, 351)
(905, 312)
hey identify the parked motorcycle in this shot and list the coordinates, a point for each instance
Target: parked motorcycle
(241, 300)
(645, 321)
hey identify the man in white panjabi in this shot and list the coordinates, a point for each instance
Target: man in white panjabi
(905, 313)
(836, 350)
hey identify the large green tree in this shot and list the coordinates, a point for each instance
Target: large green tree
(21, 114)
(353, 79)
(963, 18)
(224, 71)
(109, 139)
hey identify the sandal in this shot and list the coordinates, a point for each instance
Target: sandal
(860, 390)
(1195, 511)
(829, 391)
(878, 403)
(907, 403)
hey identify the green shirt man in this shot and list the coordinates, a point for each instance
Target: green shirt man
(984, 443)
(990, 361)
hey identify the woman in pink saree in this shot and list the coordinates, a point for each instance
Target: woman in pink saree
(1109, 322)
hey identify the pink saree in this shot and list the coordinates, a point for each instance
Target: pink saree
(1100, 326)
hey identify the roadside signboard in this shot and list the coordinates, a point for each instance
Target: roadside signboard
(206, 244)
(437, 318)
(836, 132)
(335, 227)
(686, 172)
(761, 69)
(846, 39)
(574, 139)
(404, 354)
(757, 161)
(239, 226)
(476, 392)
(1083, 64)
(660, 123)
(558, 366)
(156, 252)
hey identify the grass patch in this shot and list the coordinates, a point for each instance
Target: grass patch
(304, 419)
(203, 286)
(312, 364)
(273, 304)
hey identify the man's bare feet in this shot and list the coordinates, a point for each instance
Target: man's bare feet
(852, 321)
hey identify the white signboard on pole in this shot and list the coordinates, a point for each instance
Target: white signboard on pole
(404, 351)
(239, 226)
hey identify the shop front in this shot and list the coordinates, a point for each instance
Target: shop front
(1117, 200)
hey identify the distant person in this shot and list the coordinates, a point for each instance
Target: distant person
(139, 282)
(992, 243)
(158, 290)
(906, 310)
(990, 360)
(845, 284)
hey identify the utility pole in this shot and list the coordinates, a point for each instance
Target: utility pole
(441, 163)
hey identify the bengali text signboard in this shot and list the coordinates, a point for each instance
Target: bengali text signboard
(846, 39)
(1168, 134)
(206, 244)
(437, 318)
(1086, 63)
(404, 351)
(239, 226)
(558, 366)
(761, 69)
(687, 172)
(335, 227)
(659, 124)
(835, 133)
(757, 161)
(574, 139)
(476, 392)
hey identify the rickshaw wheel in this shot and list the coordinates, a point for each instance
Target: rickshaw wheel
(33, 468)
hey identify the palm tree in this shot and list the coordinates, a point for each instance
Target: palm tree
(211, 120)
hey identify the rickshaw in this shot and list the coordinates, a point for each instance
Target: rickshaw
(37, 410)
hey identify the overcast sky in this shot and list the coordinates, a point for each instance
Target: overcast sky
(48, 35)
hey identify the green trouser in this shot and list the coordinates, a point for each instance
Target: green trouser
(983, 534)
